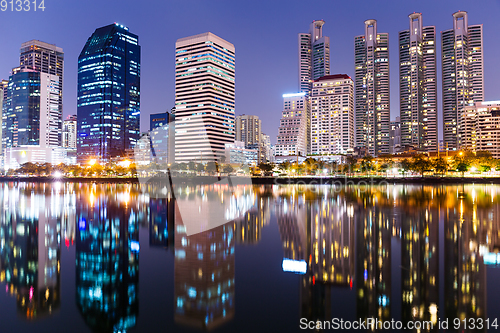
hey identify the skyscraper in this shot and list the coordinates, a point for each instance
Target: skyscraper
(372, 90)
(314, 56)
(462, 73)
(31, 127)
(248, 129)
(417, 85)
(332, 115)
(42, 57)
(109, 72)
(204, 97)
(48, 59)
(294, 131)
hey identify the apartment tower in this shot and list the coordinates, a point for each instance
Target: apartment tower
(371, 63)
(462, 73)
(332, 115)
(314, 56)
(248, 130)
(418, 85)
(294, 129)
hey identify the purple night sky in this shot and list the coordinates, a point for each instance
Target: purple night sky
(263, 32)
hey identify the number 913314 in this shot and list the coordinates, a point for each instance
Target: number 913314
(22, 5)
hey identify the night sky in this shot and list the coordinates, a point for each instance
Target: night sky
(263, 32)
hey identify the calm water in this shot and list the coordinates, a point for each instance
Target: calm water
(114, 258)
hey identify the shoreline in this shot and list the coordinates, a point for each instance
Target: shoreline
(268, 180)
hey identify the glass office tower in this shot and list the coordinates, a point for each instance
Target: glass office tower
(109, 71)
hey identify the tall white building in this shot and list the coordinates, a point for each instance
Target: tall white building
(294, 125)
(248, 129)
(265, 143)
(479, 128)
(462, 73)
(69, 132)
(332, 115)
(371, 64)
(418, 85)
(314, 56)
(204, 97)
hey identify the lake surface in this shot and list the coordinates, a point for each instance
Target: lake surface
(130, 258)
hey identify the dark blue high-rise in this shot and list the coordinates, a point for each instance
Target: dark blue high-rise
(109, 71)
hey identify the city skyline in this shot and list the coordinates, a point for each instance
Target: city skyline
(279, 77)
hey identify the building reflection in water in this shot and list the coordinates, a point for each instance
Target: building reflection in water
(30, 233)
(316, 233)
(334, 238)
(373, 221)
(466, 240)
(317, 226)
(161, 223)
(204, 295)
(107, 258)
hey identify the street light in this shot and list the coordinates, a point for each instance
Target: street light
(92, 162)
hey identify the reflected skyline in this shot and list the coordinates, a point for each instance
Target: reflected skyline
(426, 248)
(107, 260)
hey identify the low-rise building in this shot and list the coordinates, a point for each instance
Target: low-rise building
(17, 156)
(294, 131)
(479, 128)
(236, 153)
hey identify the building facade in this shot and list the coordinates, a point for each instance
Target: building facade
(265, 143)
(161, 138)
(418, 85)
(109, 72)
(479, 128)
(69, 132)
(237, 153)
(31, 118)
(294, 130)
(248, 129)
(204, 97)
(372, 94)
(395, 136)
(158, 120)
(314, 56)
(332, 115)
(47, 59)
(462, 73)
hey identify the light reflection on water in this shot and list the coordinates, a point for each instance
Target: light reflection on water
(404, 252)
